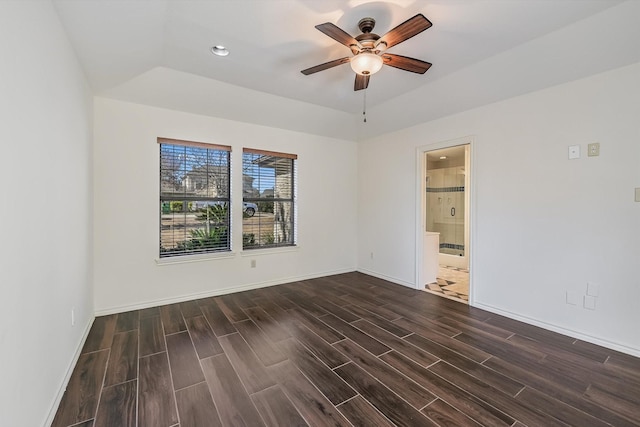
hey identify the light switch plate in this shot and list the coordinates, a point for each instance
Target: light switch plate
(592, 289)
(574, 152)
(637, 194)
(593, 149)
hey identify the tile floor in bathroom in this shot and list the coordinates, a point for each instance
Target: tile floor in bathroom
(452, 283)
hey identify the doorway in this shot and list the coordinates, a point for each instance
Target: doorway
(445, 202)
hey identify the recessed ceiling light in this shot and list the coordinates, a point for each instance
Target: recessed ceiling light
(220, 50)
(443, 157)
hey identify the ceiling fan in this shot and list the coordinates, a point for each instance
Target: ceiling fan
(369, 49)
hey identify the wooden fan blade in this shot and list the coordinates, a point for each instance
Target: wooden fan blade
(325, 66)
(340, 36)
(406, 63)
(406, 30)
(361, 82)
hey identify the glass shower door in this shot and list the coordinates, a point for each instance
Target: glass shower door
(445, 198)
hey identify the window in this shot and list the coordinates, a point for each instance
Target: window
(268, 187)
(194, 198)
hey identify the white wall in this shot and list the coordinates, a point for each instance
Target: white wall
(126, 171)
(544, 225)
(45, 213)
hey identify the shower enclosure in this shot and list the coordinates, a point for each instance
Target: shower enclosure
(446, 182)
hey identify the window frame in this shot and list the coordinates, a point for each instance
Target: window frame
(186, 199)
(292, 241)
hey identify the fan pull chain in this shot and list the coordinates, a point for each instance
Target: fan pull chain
(364, 106)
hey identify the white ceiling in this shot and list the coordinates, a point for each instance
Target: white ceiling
(146, 50)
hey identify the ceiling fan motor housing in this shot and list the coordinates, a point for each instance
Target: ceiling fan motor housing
(367, 39)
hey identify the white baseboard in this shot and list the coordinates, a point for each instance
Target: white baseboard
(531, 321)
(215, 292)
(564, 331)
(387, 278)
(67, 377)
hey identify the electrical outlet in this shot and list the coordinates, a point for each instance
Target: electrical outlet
(371, 255)
(593, 149)
(73, 316)
(253, 263)
(574, 152)
(589, 302)
(572, 298)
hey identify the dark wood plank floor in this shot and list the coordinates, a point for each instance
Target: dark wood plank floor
(342, 350)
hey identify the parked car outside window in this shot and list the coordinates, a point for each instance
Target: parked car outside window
(249, 209)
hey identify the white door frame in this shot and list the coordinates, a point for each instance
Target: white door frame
(470, 202)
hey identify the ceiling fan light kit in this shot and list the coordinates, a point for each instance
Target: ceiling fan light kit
(366, 63)
(367, 49)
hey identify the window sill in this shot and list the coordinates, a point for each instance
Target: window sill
(268, 251)
(194, 258)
